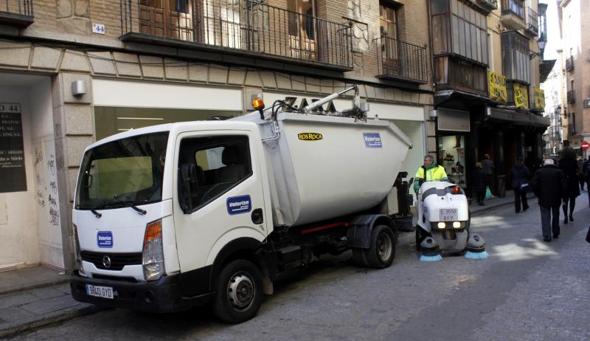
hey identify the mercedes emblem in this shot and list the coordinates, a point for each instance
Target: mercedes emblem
(106, 262)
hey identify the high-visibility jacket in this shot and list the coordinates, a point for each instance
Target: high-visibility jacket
(434, 173)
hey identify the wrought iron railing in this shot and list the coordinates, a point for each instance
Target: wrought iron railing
(246, 25)
(19, 7)
(402, 60)
(515, 7)
(532, 21)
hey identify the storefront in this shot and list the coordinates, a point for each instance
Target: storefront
(453, 128)
(125, 105)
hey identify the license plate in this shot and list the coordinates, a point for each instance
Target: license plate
(448, 214)
(99, 291)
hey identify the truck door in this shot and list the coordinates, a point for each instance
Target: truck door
(219, 194)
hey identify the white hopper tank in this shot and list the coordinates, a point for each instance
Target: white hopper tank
(321, 167)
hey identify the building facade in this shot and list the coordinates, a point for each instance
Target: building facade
(487, 96)
(72, 72)
(575, 66)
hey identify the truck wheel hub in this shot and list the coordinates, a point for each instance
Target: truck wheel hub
(384, 246)
(240, 291)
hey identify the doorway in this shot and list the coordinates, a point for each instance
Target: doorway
(302, 28)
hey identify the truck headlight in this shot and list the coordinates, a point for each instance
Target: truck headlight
(441, 225)
(153, 251)
(456, 225)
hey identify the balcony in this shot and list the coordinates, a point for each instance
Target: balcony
(487, 5)
(513, 14)
(245, 28)
(516, 63)
(532, 22)
(571, 96)
(17, 13)
(399, 60)
(569, 64)
(452, 73)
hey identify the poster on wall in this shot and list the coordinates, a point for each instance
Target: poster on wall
(12, 152)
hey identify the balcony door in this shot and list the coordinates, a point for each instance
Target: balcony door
(390, 48)
(166, 18)
(222, 23)
(302, 29)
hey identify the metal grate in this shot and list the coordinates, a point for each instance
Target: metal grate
(20, 7)
(118, 260)
(242, 25)
(401, 60)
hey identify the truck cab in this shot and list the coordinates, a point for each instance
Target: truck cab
(155, 208)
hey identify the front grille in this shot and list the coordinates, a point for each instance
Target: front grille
(118, 260)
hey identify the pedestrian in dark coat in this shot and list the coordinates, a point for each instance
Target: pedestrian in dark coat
(479, 184)
(569, 165)
(520, 185)
(586, 173)
(488, 167)
(581, 176)
(548, 185)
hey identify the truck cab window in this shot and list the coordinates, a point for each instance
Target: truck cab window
(209, 167)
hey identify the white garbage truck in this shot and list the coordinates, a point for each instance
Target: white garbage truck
(172, 216)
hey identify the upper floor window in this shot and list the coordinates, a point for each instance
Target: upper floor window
(459, 29)
(516, 63)
(388, 18)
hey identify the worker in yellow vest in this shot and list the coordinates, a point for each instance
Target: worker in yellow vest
(430, 171)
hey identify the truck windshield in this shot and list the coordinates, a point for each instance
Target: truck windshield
(122, 173)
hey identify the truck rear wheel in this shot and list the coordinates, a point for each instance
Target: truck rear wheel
(238, 292)
(382, 251)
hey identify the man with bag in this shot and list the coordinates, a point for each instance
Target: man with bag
(520, 185)
(549, 186)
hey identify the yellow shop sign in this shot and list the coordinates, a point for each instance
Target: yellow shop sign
(539, 98)
(521, 96)
(497, 87)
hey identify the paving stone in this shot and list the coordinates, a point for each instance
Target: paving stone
(49, 305)
(16, 299)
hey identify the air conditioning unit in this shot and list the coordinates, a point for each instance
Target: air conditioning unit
(587, 103)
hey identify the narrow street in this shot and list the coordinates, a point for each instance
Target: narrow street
(526, 290)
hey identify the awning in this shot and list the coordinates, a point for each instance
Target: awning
(518, 117)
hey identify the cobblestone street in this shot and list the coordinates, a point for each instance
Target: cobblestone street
(526, 290)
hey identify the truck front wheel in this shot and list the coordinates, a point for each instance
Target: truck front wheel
(238, 292)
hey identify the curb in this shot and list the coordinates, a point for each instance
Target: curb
(50, 319)
(35, 286)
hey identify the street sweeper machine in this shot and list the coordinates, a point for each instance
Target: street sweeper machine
(172, 216)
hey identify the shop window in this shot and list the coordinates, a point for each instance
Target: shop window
(209, 167)
(452, 157)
